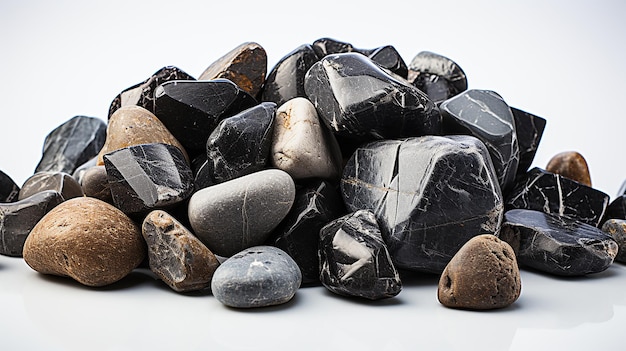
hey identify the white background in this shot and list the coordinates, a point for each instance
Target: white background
(563, 61)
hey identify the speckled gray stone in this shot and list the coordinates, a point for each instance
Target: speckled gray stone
(256, 277)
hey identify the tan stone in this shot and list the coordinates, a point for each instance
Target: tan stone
(85, 239)
(482, 275)
(572, 165)
(134, 125)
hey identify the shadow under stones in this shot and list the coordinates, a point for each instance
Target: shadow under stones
(392, 301)
(133, 279)
(608, 273)
(410, 278)
(268, 309)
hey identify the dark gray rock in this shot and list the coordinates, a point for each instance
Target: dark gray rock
(529, 129)
(256, 277)
(60, 182)
(8, 189)
(432, 64)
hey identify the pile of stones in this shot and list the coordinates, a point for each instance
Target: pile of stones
(344, 167)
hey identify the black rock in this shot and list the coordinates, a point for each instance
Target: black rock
(434, 64)
(430, 195)
(71, 144)
(142, 94)
(529, 129)
(317, 202)
(241, 144)
(202, 174)
(551, 193)
(18, 218)
(358, 99)
(557, 244)
(437, 88)
(388, 57)
(147, 177)
(485, 115)
(192, 109)
(8, 189)
(616, 209)
(354, 260)
(286, 80)
(60, 182)
(329, 46)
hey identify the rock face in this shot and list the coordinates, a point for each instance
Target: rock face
(256, 277)
(302, 145)
(241, 144)
(485, 115)
(482, 275)
(9, 191)
(529, 129)
(147, 177)
(134, 125)
(551, 193)
(354, 260)
(358, 99)
(85, 239)
(71, 144)
(234, 215)
(244, 65)
(558, 245)
(18, 218)
(175, 255)
(430, 195)
(616, 228)
(572, 165)
(60, 182)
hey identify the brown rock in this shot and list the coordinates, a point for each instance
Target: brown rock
(482, 275)
(177, 256)
(245, 65)
(134, 125)
(85, 239)
(572, 165)
(616, 228)
(95, 184)
(60, 182)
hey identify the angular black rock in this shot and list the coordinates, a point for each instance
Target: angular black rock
(18, 218)
(557, 244)
(8, 189)
(430, 195)
(71, 144)
(529, 129)
(142, 94)
(317, 202)
(358, 99)
(192, 109)
(548, 192)
(286, 80)
(241, 144)
(616, 209)
(354, 260)
(329, 46)
(431, 64)
(388, 57)
(148, 176)
(60, 182)
(485, 115)
(437, 88)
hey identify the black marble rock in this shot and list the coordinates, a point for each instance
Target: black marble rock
(354, 260)
(557, 244)
(71, 144)
(240, 144)
(430, 63)
(358, 99)
(317, 202)
(286, 80)
(529, 129)
(437, 88)
(328, 46)
(148, 176)
(551, 193)
(142, 94)
(430, 195)
(485, 115)
(616, 209)
(60, 182)
(8, 189)
(18, 218)
(191, 110)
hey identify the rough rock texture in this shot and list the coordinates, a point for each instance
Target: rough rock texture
(175, 255)
(60, 182)
(354, 260)
(95, 184)
(302, 145)
(18, 218)
(572, 165)
(482, 275)
(8, 189)
(256, 277)
(134, 125)
(240, 213)
(85, 239)
(616, 228)
(430, 195)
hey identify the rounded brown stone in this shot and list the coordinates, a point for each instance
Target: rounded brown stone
(60, 182)
(572, 165)
(95, 184)
(482, 275)
(85, 239)
(176, 255)
(134, 125)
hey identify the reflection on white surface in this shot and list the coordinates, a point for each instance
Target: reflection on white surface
(52, 313)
